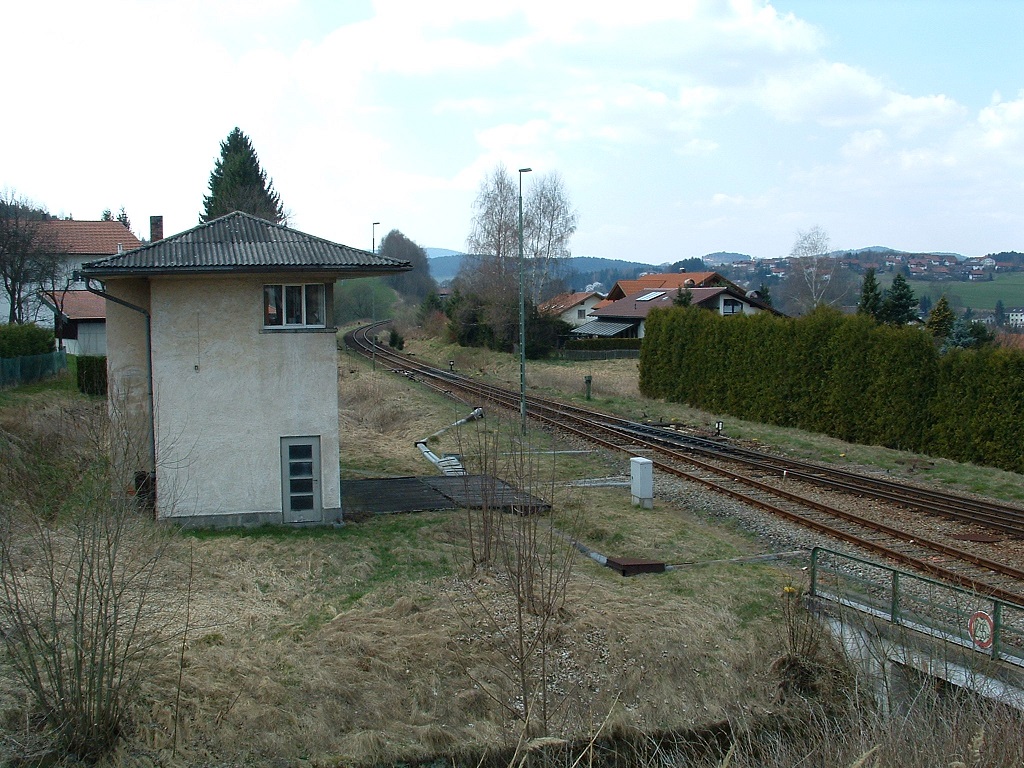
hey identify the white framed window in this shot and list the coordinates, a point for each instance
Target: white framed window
(301, 305)
(732, 307)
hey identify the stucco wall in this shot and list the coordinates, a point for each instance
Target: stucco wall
(227, 391)
(127, 377)
(587, 305)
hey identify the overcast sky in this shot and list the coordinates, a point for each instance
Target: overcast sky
(679, 128)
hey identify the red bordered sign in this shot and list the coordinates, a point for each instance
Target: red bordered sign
(982, 629)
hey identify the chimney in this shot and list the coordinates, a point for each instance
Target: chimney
(156, 228)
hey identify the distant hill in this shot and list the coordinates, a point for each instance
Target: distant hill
(436, 253)
(881, 250)
(578, 271)
(725, 257)
(444, 264)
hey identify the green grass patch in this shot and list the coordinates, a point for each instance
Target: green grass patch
(64, 383)
(979, 294)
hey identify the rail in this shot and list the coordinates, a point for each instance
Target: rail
(987, 573)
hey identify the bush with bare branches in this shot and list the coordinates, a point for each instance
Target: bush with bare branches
(85, 596)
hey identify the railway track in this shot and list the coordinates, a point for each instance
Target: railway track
(782, 487)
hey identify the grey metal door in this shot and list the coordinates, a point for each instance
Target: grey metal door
(300, 479)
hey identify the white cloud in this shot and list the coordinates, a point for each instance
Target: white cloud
(655, 112)
(831, 93)
(1002, 125)
(698, 147)
(865, 143)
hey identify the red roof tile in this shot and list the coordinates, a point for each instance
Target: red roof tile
(89, 238)
(668, 281)
(77, 305)
(564, 301)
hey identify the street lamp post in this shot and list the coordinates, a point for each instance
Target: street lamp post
(522, 311)
(373, 296)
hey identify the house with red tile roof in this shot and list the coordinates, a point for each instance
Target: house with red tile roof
(573, 308)
(73, 243)
(79, 321)
(626, 317)
(668, 281)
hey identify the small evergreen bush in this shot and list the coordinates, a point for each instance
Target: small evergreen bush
(24, 340)
(92, 375)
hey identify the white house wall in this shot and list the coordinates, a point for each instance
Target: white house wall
(227, 392)
(571, 315)
(92, 339)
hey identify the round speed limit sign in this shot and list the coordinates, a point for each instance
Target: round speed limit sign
(982, 629)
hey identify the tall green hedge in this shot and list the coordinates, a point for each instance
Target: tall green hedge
(92, 374)
(848, 377)
(24, 340)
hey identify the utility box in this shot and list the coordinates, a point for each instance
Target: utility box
(641, 476)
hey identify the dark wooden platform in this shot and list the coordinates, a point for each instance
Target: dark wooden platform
(631, 566)
(381, 496)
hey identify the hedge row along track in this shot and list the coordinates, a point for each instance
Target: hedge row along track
(790, 489)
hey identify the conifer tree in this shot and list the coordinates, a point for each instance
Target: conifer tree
(238, 183)
(941, 319)
(899, 306)
(1000, 313)
(870, 302)
(682, 298)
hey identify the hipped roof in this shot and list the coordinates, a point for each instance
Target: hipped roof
(241, 243)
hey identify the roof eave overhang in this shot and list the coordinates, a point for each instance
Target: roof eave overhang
(341, 272)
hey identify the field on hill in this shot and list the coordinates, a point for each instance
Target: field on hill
(981, 294)
(394, 641)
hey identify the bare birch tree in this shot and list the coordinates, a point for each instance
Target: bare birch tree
(814, 275)
(549, 223)
(495, 228)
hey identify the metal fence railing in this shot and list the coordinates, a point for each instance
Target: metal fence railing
(599, 354)
(944, 611)
(23, 370)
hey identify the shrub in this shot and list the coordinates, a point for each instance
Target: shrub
(23, 340)
(395, 340)
(87, 598)
(92, 375)
(848, 377)
(603, 344)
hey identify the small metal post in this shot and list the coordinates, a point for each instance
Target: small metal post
(451, 366)
(812, 589)
(587, 380)
(894, 606)
(997, 626)
(719, 425)
(522, 311)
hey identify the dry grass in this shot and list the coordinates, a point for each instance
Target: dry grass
(614, 389)
(371, 641)
(377, 642)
